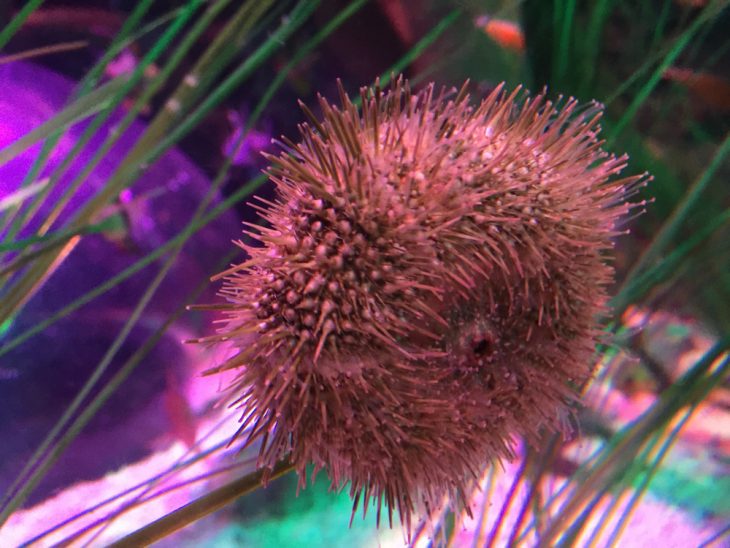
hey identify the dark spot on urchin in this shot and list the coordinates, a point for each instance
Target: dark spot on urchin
(474, 342)
(482, 343)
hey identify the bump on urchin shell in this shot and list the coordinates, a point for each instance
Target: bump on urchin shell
(425, 287)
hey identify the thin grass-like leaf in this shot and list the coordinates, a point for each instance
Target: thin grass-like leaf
(54, 452)
(205, 505)
(667, 233)
(82, 108)
(55, 239)
(39, 270)
(669, 58)
(296, 18)
(639, 284)
(49, 450)
(565, 17)
(305, 50)
(9, 30)
(19, 196)
(45, 50)
(689, 389)
(599, 15)
(19, 219)
(420, 46)
(648, 476)
(154, 85)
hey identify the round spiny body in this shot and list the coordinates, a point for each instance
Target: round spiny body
(427, 288)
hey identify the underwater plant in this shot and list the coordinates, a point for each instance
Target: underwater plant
(428, 287)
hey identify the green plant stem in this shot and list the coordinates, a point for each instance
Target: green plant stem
(96, 124)
(684, 391)
(689, 389)
(419, 47)
(677, 48)
(13, 499)
(671, 226)
(46, 462)
(11, 28)
(205, 505)
(648, 476)
(567, 14)
(140, 156)
(41, 461)
(517, 481)
(85, 86)
(480, 530)
(137, 106)
(89, 104)
(599, 15)
(281, 75)
(640, 282)
(621, 481)
(16, 198)
(539, 461)
(154, 480)
(236, 197)
(299, 14)
(61, 47)
(40, 271)
(102, 523)
(713, 541)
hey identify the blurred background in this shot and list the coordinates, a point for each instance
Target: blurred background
(131, 135)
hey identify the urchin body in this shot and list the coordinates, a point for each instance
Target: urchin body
(427, 288)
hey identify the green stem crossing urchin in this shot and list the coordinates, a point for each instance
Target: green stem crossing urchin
(427, 287)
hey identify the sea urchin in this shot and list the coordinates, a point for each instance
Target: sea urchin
(426, 287)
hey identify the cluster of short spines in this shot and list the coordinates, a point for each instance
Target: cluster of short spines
(427, 287)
